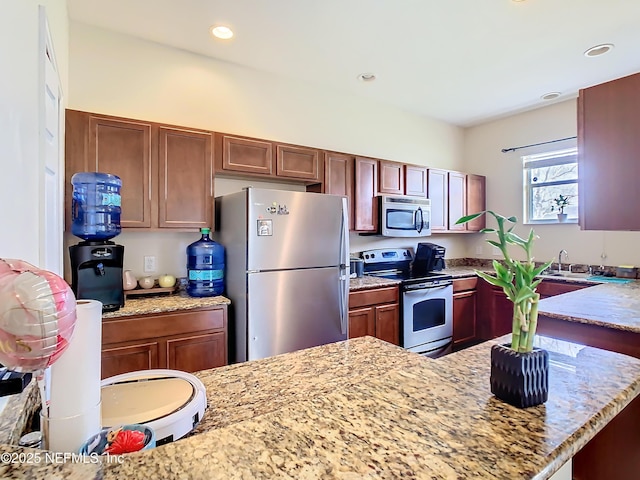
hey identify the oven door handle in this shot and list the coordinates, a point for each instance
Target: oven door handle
(423, 288)
(419, 229)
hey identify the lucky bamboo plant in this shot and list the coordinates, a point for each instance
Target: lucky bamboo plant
(517, 278)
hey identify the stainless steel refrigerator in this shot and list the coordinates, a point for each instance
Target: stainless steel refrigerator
(287, 269)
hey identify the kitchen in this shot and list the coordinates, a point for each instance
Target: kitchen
(119, 75)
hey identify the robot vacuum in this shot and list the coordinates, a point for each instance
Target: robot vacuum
(171, 402)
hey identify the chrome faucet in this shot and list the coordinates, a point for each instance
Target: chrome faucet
(566, 256)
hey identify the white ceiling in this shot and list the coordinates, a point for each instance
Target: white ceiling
(461, 61)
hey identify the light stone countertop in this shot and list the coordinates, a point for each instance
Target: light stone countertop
(363, 408)
(165, 303)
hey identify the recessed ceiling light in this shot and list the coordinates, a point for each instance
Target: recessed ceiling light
(550, 95)
(367, 77)
(599, 50)
(222, 32)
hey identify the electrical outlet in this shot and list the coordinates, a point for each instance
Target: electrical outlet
(496, 251)
(478, 249)
(149, 263)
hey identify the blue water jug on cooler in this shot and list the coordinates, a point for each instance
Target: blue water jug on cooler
(95, 206)
(205, 267)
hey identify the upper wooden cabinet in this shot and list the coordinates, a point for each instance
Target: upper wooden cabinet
(166, 171)
(185, 173)
(247, 155)
(366, 188)
(609, 155)
(438, 193)
(338, 178)
(242, 155)
(297, 162)
(391, 178)
(454, 195)
(415, 181)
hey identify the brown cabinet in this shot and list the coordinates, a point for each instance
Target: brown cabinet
(365, 208)
(454, 195)
(457, 200)
(464, 311)
(245, 155)
(236, 155)
(415, 181)
(438, 193)
(550, 288)
(338, 178)
(391, 177)
(476, 201)
(185, 173)
(375, 312)
(494, 315)
(608, 146)
(184, 340)
(166, 171)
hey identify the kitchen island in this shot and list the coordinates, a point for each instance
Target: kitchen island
(363, 408)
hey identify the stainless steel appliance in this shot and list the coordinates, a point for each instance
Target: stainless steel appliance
(287, 269)
(426, 301)
(404, 216)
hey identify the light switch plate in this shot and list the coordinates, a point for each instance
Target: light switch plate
(496, 251)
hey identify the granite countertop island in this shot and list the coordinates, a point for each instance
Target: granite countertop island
(363, 408)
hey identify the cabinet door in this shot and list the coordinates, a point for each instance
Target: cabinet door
(129, 358)
(608, 146)
(438, 193)
(457, 200)
(464, 317)
(549, 288)
(415, 181)
(197, 352)
(338, 178)
(298, 162)
(476, 201)
(388, 323)
(123, 148)
(247, 155)
(185, 163)
(366, 186)
(391, 178)
(362, 322)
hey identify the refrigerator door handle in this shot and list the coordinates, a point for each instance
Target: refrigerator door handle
(344, 268)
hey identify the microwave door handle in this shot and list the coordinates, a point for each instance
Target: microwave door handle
(419, 229)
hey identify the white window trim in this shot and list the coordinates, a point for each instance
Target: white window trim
(544, 160)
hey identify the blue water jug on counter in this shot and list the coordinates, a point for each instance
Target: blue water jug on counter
(205, 267)
(95, 206)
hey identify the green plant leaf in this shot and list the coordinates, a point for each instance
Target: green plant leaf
(524, 294)
(498, 282)
(542, 268)
(468, 218)
(513, 219)
(515, 239)
(495, 244)
(488, 230)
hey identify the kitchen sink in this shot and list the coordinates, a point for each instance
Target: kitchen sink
(584, 276)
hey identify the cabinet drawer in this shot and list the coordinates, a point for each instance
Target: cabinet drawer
(375, 296)
(462, 284)
(127, 329)
(550, 288)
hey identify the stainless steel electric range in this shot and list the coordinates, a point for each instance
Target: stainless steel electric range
(426, 301)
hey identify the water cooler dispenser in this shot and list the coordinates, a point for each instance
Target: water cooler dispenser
(96, 262)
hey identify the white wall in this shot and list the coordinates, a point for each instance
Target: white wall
(483, 144)
(120, 75)
(20, 195)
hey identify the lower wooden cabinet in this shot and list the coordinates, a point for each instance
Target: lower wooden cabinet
(464, 311)
(375, 312)
(187, 340)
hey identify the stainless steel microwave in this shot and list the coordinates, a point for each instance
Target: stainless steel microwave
(404, 216)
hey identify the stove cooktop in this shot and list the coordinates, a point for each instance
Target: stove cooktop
(406, 277)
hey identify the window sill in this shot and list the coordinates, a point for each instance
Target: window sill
(572, 221)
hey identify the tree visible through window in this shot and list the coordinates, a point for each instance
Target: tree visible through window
(546, 176)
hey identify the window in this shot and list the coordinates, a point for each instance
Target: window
(546, 176)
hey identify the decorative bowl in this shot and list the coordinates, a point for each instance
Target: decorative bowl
(119, 440)
(146, 282)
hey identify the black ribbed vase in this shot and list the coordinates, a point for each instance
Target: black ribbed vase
(520, 379)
